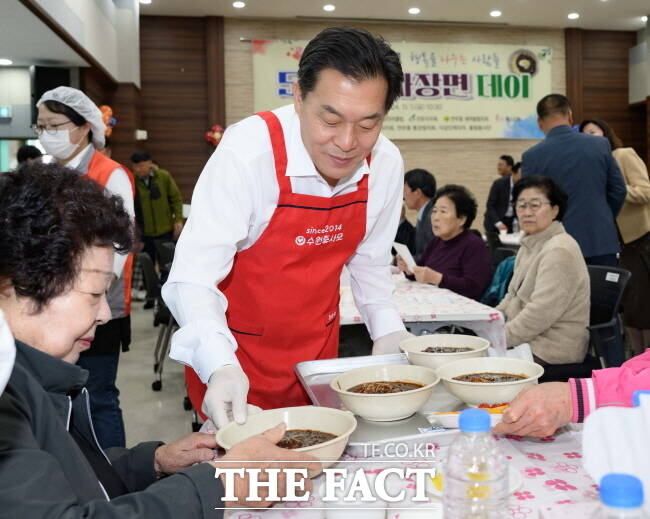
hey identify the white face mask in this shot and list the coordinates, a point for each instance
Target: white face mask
(58, 144)
(7, 352)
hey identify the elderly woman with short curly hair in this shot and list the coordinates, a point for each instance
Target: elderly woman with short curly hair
(58, 234)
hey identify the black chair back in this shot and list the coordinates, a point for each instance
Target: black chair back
(607, 286)
(165, 250)
(151, 280)
(501, 253)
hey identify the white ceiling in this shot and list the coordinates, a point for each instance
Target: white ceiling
(28, 41)
(594, 14)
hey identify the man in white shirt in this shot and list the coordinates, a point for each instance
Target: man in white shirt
(288, 198)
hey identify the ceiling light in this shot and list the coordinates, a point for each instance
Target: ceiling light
(239, 5)
(644, 19)
(6, 61)
(329, 7)
(146, 2)
(414, 10)
(495, 14)
(573, 16)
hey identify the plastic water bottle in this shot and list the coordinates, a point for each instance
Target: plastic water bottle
(515, 226)
(621, 497)
(476, 472)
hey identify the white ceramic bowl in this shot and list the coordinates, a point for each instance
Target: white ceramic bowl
(413, 348)
(325, 419)
(390, 406)
(475, 393)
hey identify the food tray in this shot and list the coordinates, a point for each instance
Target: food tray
(376, 438)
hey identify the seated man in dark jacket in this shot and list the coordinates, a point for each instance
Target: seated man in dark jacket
(55, 269)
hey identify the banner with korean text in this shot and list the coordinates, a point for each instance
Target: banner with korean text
(450, 90)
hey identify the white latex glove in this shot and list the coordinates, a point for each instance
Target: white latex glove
(390, 343)
(209, 428)
(226, 393)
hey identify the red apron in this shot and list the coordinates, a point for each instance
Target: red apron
(283, 292)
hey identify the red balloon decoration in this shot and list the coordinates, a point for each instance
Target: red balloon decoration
(214, 135)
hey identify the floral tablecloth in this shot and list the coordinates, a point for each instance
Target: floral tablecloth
(426, 307)
(553, 482)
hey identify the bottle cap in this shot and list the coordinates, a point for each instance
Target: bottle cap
(474, 420)
(636, 397)
(621, 491)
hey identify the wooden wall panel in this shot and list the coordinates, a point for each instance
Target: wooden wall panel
(601, 76)
(126, 109)
(173, 95)
(97, 85)
(468, 162)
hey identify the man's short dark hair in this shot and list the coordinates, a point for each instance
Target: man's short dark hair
(140, 156)
(49, 216)
(463, 200)
(508, 160)
(555, 194)
(353, 52)
(28, 152)
(421, 179)
(553, 104)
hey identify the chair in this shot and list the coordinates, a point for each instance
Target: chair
(605, 344)
(161, 316)
(607, 287)
(165, 250)
(501, 253)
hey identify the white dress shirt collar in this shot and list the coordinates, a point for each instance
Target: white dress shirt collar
(300, 164)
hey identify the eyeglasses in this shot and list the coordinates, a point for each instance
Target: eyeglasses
(50, 128)
(534, 205)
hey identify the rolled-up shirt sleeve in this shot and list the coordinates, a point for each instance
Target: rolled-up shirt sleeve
(371, 281)
(222, 209)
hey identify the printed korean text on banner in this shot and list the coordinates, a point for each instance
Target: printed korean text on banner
(450, 91)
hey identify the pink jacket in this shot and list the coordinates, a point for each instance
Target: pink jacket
(610, 387)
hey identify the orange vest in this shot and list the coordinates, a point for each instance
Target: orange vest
(100, 170)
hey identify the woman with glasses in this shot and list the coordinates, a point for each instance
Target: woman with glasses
(634, 227)
(456, 258)
(547, 304)
(70, 128)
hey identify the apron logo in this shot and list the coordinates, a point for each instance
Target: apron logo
(331, 317)
(300, 240)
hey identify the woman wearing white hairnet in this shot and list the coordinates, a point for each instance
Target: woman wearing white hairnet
(70, 128)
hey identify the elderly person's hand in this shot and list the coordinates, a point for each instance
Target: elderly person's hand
(537, 411)
(263, 447)
(427, 275)
(401, 264)
(185, 452)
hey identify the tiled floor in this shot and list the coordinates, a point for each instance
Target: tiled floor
(148, 414)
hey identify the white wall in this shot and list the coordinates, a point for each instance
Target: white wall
(15, 89)
(106, 29)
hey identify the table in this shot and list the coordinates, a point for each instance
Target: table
(554, 481)
(425, 308)
(511, 239)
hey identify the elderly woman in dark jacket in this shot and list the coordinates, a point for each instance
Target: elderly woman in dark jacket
(58, 232)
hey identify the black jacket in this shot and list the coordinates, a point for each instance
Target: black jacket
(497, 205)
(423, 230)
(406, 235)
(43, 472)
